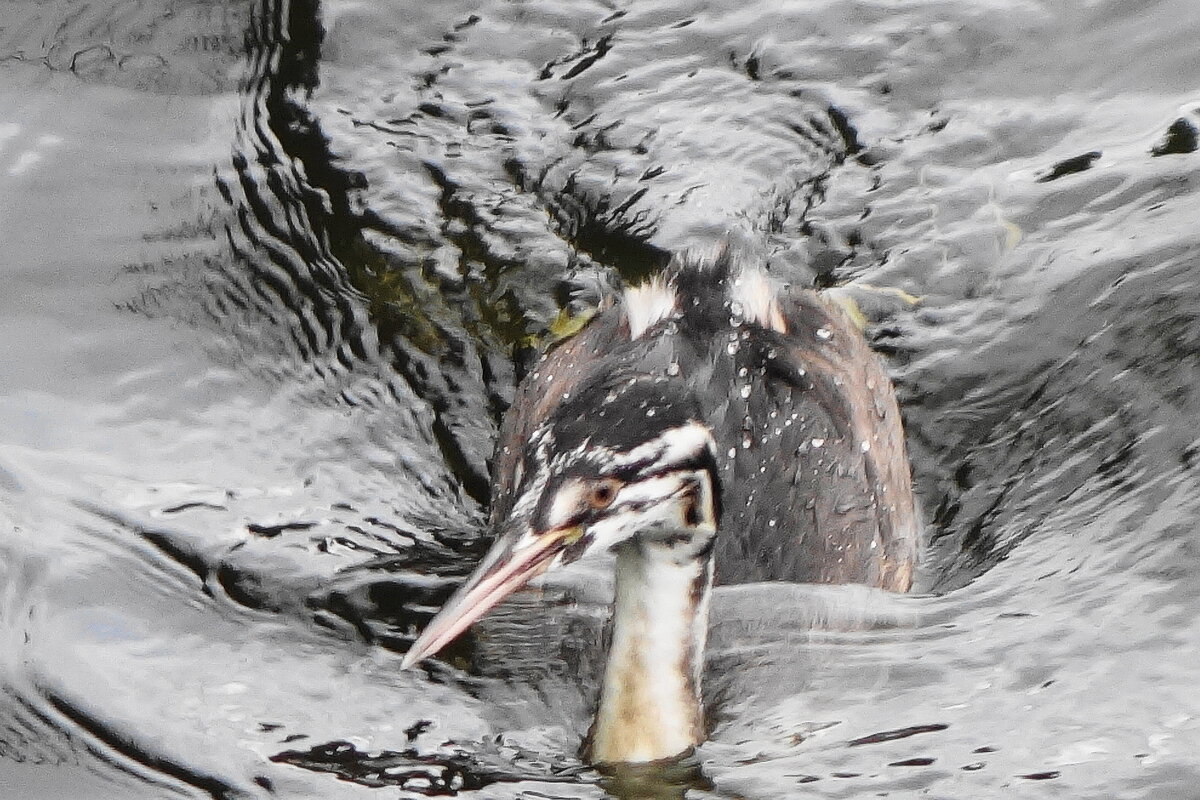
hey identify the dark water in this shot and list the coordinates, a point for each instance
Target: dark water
(271, 270)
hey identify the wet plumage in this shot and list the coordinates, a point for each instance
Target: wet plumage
(815, 482)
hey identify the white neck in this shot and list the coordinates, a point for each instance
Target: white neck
(650, 699)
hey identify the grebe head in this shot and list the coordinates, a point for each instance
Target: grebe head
(627, 458)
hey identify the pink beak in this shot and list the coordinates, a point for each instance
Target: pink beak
(500, 574)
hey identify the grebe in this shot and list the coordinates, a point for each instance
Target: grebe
(706, 426)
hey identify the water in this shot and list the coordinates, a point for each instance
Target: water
(270, 272)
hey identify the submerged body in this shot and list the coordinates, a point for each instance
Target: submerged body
(707, 426)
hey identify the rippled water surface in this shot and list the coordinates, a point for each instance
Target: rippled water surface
(271, 271)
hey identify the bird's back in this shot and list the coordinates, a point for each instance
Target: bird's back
(815, 475)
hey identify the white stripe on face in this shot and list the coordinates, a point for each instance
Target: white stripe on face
(651, 490)
(566, 504)
(672, 446)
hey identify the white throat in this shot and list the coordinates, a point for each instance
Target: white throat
(650, 705)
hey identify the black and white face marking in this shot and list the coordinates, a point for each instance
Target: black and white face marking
(625, 459)
(661, 490)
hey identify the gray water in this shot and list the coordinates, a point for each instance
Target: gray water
(270, 272)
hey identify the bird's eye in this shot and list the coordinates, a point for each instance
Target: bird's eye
(602, 493)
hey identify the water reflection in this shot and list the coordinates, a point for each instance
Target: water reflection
(673, 780)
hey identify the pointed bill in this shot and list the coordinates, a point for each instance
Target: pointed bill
(503, 570)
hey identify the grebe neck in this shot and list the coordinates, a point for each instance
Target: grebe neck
(650, 703)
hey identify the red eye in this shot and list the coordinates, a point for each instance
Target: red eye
(602, 493)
